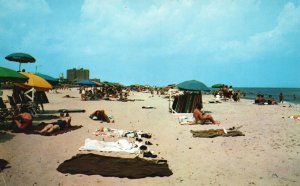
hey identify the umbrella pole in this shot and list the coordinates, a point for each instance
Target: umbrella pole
(19, 66)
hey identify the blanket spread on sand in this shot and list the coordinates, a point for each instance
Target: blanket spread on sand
(121, 145)
(215, 132)
(35, 129)
(132, 168)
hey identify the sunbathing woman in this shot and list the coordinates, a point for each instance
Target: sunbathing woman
(203, 117)
(58, 125)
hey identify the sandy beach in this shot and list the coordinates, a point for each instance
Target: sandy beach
(268, 154)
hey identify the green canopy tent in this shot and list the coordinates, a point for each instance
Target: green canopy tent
(21, 58)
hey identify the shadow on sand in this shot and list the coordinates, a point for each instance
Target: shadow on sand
(4, 136)
(3, 164)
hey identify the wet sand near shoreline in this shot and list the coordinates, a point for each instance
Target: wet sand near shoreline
(268, 154)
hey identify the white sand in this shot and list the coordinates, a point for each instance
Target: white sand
(269, 154)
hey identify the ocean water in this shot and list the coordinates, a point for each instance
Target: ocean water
(288, 93)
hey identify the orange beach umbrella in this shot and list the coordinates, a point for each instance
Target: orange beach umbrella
(35, 82)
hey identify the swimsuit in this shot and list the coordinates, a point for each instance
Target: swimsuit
(61, 123)
(26, 123)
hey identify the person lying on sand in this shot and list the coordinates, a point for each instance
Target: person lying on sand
(100, 115)
(23, 120)
(60, 124)
(199, 115)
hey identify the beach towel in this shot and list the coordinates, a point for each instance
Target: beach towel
(211, 133)
(121, 145)
(186, 120)
(132, 168)
(35, 129)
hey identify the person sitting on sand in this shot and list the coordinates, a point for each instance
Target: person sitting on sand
(199, 115)
(259, 99)
(271, 101)
(23, 120)
(60, 124)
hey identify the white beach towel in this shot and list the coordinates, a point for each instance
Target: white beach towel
(121, 145)
(183, 120)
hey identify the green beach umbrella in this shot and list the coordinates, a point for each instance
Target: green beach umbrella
(7, 74)
(20, 58)
(193, 85)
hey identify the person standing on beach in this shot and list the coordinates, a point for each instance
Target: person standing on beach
(281, 97)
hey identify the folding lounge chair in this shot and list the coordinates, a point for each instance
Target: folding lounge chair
(14, 106)
(4, 111)
(29, 106)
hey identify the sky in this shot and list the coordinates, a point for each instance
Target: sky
(245, 43)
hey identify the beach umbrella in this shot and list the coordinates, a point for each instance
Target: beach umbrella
(97, 83)
(193, 85)
(34, 81)
(217, 86)
(118, 84)
(50, 79)
(108, 83)
(21, 58)
(7, 74)
(85, 82)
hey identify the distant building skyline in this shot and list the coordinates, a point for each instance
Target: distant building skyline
(75, 74)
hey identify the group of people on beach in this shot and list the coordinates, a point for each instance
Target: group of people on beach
(105, 93)
(260, 100)
(227, 93)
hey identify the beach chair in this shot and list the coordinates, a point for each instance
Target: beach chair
(5, 112)
(29, 106)
(13, 104)
(22, 107)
